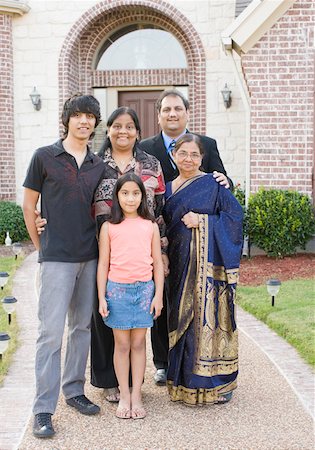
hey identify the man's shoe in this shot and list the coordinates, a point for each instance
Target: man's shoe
(160, 377)
(42, 427)
(83, 405)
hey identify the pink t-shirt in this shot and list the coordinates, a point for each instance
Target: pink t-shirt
(130, 250)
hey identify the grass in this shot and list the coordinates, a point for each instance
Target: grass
(8, 264)
(292, 317)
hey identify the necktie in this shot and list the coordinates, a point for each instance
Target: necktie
(169, 152)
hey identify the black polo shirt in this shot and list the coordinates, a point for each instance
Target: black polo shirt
(67, 194)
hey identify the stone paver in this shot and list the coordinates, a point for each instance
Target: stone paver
(270, 409)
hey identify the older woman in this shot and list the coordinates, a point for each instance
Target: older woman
(204, 229)
(121, 154)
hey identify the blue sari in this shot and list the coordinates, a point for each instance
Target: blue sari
(204, 265)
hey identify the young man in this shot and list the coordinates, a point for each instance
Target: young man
(65, 175)
(173, 115)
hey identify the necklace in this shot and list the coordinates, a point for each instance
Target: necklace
(122, 162)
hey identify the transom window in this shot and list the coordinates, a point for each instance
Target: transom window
(148, 48)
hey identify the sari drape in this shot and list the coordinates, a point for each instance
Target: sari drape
(204, 265)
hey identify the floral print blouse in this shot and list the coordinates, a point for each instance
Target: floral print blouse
(148, 168)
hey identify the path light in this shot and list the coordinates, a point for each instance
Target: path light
(16, 249)
(4, 276)
(9, 304)
(4, 342)
(273, 287)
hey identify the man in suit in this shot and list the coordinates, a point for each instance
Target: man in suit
(173, 115)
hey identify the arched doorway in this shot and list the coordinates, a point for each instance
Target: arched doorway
(81, 49)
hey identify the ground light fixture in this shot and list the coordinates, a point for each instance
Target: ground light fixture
(273, 286)
(9, 304)
(16, 248)
(4, 342)
(4, 276)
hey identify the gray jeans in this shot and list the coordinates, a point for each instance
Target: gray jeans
(65, 288)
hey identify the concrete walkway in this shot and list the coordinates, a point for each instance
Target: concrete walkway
(271, 409)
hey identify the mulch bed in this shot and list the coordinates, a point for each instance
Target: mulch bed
(259, 269)
(27, 248)
(254, 271)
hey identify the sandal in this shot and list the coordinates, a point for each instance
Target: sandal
(112, 395)
(123, 413)
(224, 398)
(138, 412)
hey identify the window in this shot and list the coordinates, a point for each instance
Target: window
(145, 48)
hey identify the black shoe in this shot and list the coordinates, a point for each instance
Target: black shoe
(160, 377)
(83, 405)
(42, 427)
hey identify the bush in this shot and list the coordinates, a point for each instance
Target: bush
(11, 219)
(279, 221)
(239, 194)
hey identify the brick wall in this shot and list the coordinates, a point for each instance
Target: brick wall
(279, 72)
(7, 165)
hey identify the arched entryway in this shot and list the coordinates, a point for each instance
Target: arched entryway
(82, 45)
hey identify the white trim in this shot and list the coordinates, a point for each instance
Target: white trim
(246, 30)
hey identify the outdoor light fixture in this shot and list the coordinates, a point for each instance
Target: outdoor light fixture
(226, 94)
(16, 248)
(4, 342)
(273, 287)
(35, 98)
(4, 276)
(9, 304)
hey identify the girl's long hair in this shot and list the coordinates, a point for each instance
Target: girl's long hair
(114, 115)
(117, 215)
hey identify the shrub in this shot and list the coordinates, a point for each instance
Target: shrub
(279, 221)
(239, 194)
(11, 219)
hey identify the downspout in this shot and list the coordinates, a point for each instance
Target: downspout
(246, 102)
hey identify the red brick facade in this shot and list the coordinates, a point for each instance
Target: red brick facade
(76, 69)
(279, 72)
(7, 166)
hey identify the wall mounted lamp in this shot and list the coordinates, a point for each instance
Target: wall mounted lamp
(36, 100)
(226, 94)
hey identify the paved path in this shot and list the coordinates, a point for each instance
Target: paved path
(271, 408)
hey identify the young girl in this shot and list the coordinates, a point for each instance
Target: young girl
(129, 253)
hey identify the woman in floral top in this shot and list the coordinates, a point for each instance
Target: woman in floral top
(121, 155)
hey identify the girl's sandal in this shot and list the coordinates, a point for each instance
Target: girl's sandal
(123, 413)
(225, 398)
(138, 412)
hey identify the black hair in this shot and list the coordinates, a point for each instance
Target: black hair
(189, 137)
(114, 115)
(173, 93)
(80, 103)
(117, 215)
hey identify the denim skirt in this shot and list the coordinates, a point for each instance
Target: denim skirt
(129, 304)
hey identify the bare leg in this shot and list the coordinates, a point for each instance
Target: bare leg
(138, 362)
(122, 365)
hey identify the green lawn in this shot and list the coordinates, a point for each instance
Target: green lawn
(8, 264)
(292, 317)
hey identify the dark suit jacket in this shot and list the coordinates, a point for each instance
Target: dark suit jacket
(210, 162)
